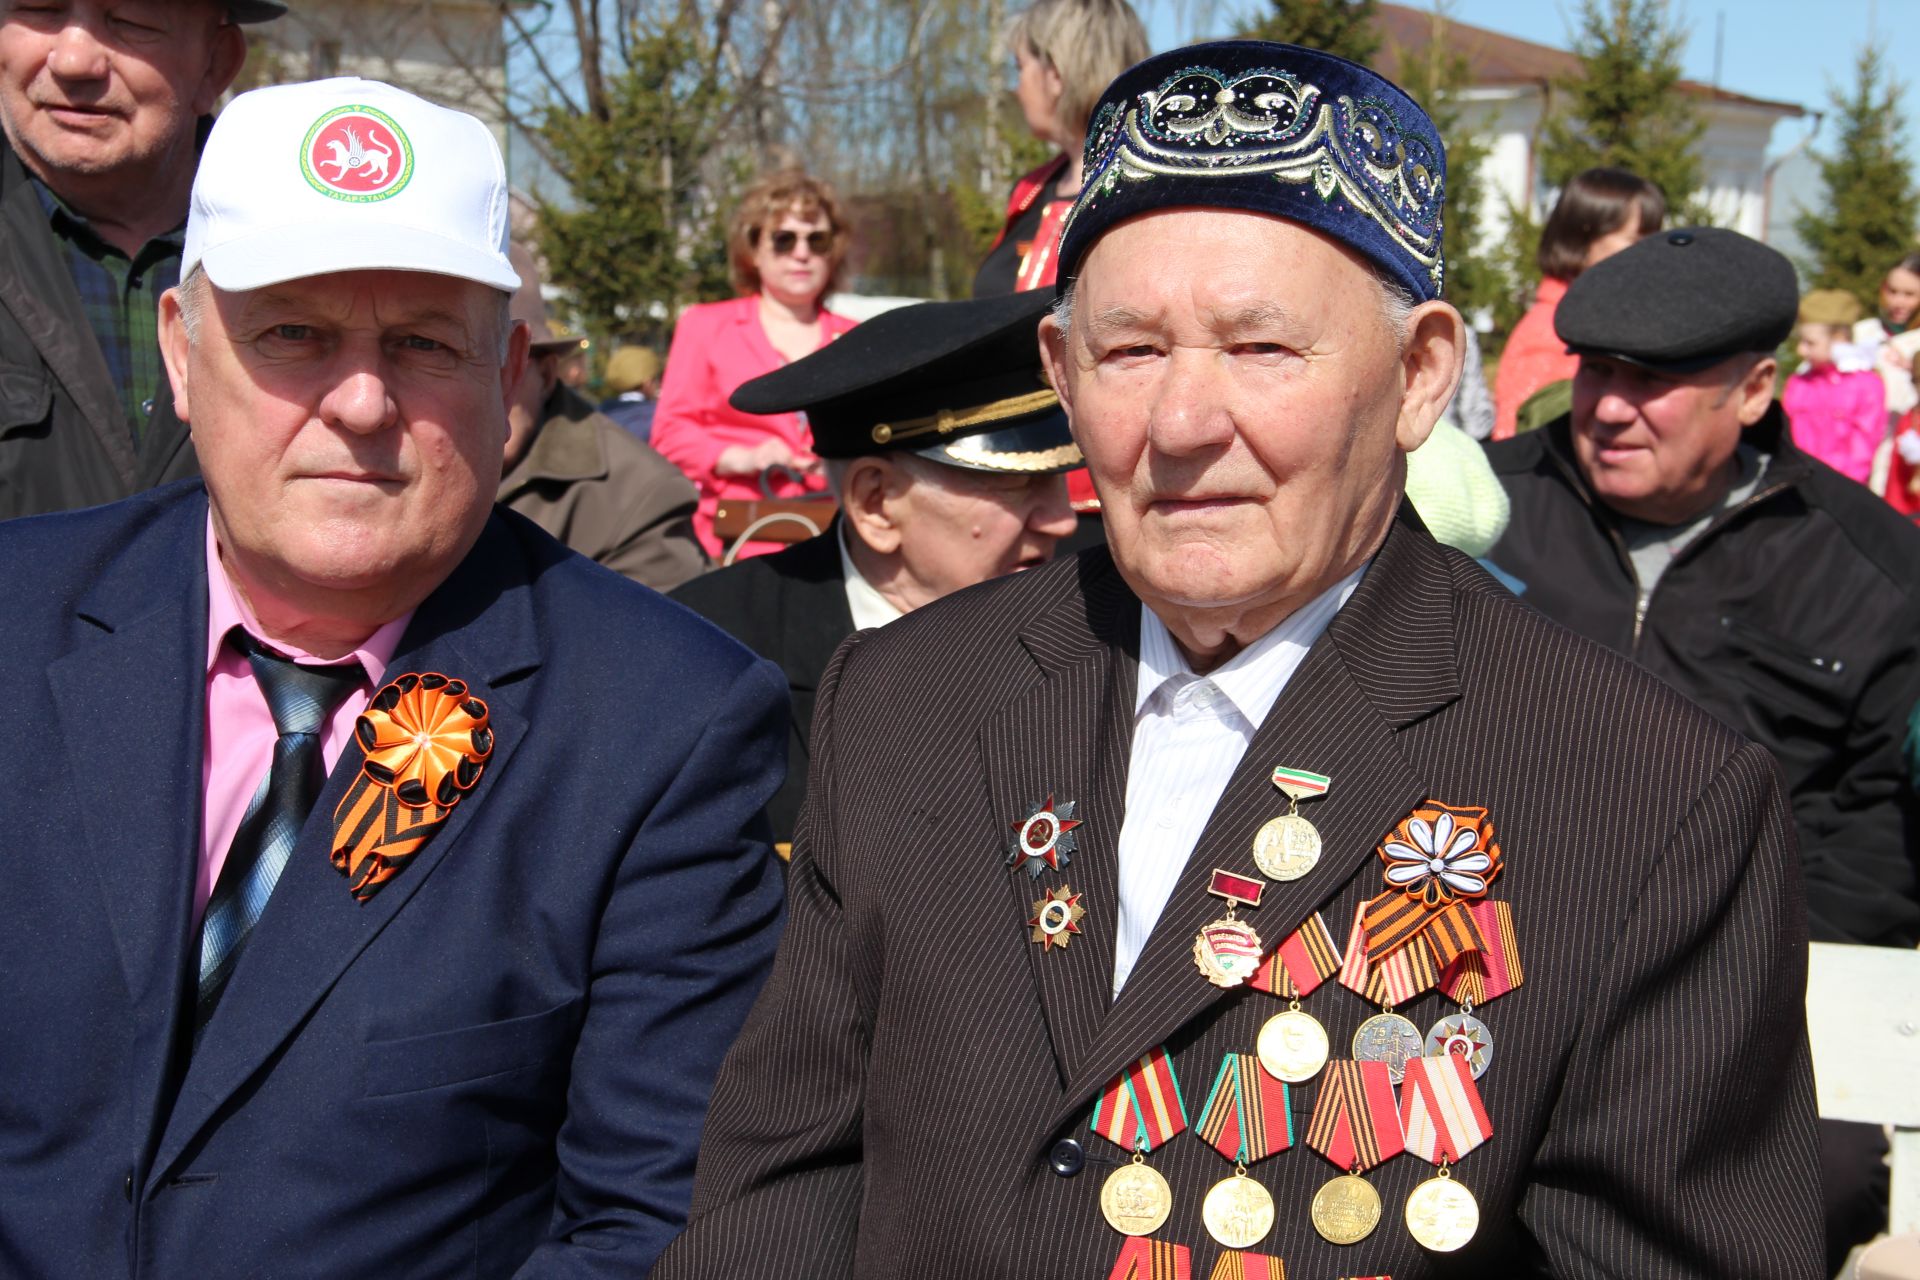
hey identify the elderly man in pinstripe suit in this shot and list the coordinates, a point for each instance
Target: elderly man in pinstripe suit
(1015, 1030)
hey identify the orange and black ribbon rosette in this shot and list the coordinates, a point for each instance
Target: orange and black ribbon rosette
(1438, 859)
(426, 741)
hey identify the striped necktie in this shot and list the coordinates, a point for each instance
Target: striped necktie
(301, 700)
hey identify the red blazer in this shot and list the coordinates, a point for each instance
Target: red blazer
(716, 347)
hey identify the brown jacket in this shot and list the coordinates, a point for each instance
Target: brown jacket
(610, 497)
(911, 1094)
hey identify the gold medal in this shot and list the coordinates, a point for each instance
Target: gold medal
(1229, 951)
(1287, 847)
(1135, 1199)
(1292, 1046)
(1441, 1214)
(1238, 1212)
(1346, 1210)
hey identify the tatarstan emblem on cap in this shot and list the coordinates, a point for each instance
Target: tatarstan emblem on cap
(356, 153)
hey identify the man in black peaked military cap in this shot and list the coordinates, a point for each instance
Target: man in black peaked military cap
(1671, 517)
(1267, 892)
(946, 448)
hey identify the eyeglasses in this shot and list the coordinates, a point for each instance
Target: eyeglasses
(818, 242)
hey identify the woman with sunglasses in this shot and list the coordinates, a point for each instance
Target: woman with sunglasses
(787, 244)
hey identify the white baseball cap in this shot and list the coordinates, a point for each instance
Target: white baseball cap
(303, 180)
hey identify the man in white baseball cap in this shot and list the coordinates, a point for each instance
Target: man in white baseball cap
(386, 881)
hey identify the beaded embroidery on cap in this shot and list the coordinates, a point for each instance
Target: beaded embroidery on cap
(1202, 122)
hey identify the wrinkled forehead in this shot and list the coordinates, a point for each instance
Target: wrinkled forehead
(1252, 257)
(384, 297)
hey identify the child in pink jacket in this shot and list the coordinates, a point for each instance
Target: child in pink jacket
(1838, 417)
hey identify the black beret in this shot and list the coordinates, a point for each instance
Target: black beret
(1681, 301)
(255, 10)
(957, 382)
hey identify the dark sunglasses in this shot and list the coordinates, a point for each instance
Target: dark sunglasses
(817, 241)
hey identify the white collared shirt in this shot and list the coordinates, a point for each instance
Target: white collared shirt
(1189, 732)
(868, 606)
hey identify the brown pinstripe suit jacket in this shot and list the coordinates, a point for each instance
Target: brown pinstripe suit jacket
(891, 1106)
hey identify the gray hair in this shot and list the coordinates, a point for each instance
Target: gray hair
(193, 292)
(1396, 305)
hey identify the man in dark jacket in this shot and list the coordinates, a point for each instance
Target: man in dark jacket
(102, 106)
(1670, 517)
(946, 450)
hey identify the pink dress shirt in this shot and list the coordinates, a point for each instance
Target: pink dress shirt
(716, 347)
(1839, 418)
(240, 732)
(1534, 357)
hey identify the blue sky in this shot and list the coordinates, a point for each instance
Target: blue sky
(1779, 49)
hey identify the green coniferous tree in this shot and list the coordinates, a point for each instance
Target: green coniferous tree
(1343, 27)
(1869, 203)
(1624, 107)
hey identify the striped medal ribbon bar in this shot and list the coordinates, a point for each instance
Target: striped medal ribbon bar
(1247, 1116)
(1145, 1259)
(1301, 784)
(1248, 1266)
(1440, 1109)
(1141, 1107)
(1356, 1120)
(1299, 965)
(1476, 977)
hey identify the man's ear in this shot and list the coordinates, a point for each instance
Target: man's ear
(226, 54)
(866, 503)
(174, 348)
(1053, 358)
(1756, 390)
(1430, 366)
(515, 366)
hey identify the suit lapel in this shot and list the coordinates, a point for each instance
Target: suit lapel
(1068, 738)
(131, 715)
(472, 628)
(1384, 661)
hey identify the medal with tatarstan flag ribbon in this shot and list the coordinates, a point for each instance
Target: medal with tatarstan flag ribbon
(1443, 1118)
(1293, 1045)
(1247, 1118)
(1288, 847)
(1356, 1125)
(1140, 1109)
(1248, 1266)
(1152, 1260)
(1228, 950)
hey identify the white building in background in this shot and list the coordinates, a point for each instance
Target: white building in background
(449, 51)
(1512, 89)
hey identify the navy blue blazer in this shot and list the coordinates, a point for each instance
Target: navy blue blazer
(497, 1066)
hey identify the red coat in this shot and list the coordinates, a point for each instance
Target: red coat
(716, 347)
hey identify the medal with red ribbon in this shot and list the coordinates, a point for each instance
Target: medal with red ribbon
(426, 742)
(1356, 1119)
(1140, 1109)
(1476, 977)
(1443, 1119)
(1440, 858)
(1293, 1045)
(1248, 1266)
(1228, 950)
(1356, 1125)
(1247, 1117)
(1153, 1260)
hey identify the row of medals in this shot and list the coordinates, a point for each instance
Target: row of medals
(1441, 1214)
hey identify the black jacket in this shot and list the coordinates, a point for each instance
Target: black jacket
(791, 608)
(64, 441)
(1794, 618)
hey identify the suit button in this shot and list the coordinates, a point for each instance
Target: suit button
(1067, 1158)
(127, 1189)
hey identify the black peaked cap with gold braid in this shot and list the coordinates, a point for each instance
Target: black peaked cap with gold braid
(956, 382)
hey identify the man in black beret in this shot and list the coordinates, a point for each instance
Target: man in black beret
(103, 105)
(1670, 517)
(947, 451)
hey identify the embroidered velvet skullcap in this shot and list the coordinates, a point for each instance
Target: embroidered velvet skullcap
(959, 383)
(1274, 129)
